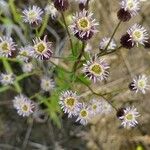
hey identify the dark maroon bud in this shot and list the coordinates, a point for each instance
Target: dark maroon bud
(61, 5)
(85, 37)
(132, 87)
(147, 44)
(126, 41)
(123, 15)
(120, 113)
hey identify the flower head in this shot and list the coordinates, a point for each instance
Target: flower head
(129, 8)
(84, 115)
(61, 5)
(24, 53)
(32, 15)
(96, 69)
(42, 49)
(27, 67)
(7, 46)
(105, 41)
(6, 79)
(140, 83)
(129, 117)
(50, 9)
(69, 102)
(83, 26)
(138, 34)
(47, 84)
(95, 107)
(23, 105)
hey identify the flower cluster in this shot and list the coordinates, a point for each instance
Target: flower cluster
(7, 78)
(71, 104)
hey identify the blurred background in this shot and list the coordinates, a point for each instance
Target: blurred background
(104, 132)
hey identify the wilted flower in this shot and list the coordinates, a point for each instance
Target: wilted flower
(61, 5)
(129, 117)
(129, 8)
(6, 79)
(27, 67)
(47, 84)
(23, 105)
(140, 83)
(69, 102)
(83, 26)
(96, 69)
(50, 9)
(84, 115)
(105, 41)
(42, 49)
(32, 15)
(7, 46)
(24, 53)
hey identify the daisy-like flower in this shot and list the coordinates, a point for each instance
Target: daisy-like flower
(84, 115)
(69, 102)
(23, 105)
(50, 9)
(129, 117)
(42, 49)
(27, 67)
(61, 5)
(24, 53)
(6, 79)
(129, 8)
(95, 107)
(32, 15)
(105, 41)
(83, 26)
(7, 46)
(140, 83)
(96, 69)
(138, 34)
(47, 84)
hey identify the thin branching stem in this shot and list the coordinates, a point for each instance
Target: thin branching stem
(67, 30)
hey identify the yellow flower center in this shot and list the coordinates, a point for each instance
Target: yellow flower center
(40, 48)
(137, 35)
(129, 117)
(32, 15)
(70, 101)
(24, 53)
(5, 46)
(94, 107)
(25, 108)
(83, 113)
(96, 69)
(83, 24)
(130, 4)
(141, 83)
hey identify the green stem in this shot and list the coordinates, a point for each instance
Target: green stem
(79, 58)
(44, 25)
(67, 30)
(115, 30)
